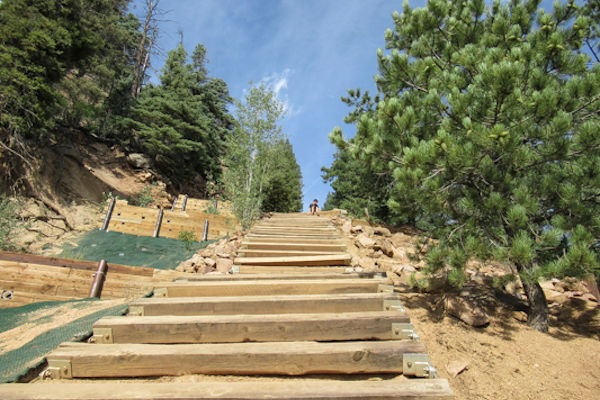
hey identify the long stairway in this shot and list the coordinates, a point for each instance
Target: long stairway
(292, 324)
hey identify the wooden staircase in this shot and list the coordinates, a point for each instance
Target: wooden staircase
(333, 334)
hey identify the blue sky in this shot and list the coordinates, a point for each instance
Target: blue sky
(310, 51)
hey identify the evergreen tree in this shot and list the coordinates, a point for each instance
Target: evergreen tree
(283, 191)
(182, 123)
(488, 123)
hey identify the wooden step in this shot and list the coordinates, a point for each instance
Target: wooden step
(250, 245)
(289, 269)
(293, 304)
(290, 389)
(304, 274)
(295, 230)
(292, 234)
(268, 287)
(249, 328)
(334, 260)
(286, 253)
(298, 240)
(279, 358)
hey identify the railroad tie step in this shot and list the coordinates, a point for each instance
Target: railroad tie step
(322, 389)
(350, 326)
(284, 358)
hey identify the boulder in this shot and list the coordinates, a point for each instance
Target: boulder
(210, 262)
(365, 241)
(385, 245)
(356, 229)
(347, 227)
(466, 310)
(138, 160)
(224, 265)
(206, 270)
(382, 231)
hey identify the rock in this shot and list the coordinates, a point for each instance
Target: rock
(366, 263)
(589, 298)
(206, 270)
(210, 262)
(206, 252)
(138, 160)
(365, 241)
(382, 231)
(401, 269)
(456, 367)
(463, 309)
(224, 265)
(356, 229)
(402, 240)
(519, 316)
(386, 247)
(347, 227)
(179, 268)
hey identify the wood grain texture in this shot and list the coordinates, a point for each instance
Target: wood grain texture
(253, 328)
(322, 389)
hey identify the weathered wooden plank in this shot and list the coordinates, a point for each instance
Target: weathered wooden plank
(79, 264)
(291, 304)
(342, 259)
(279, 358)
(252, 328)
(285, 253)
(306, 273)
(268, 287)
(265, 269)
(252, 245)
(321, 389)
(251, 238)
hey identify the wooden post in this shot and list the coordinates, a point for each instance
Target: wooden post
(205, 234)
(109, 212)
(158, 223)
(99, 278)
(185, 199)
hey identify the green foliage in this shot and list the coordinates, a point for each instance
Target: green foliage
(188, 238)
(183, 122)
(487, 122)
(145, 197)
(9, 220)
(211, 210)
(283, 190)
(249, 160)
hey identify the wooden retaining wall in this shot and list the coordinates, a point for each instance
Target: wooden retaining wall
(142, 221)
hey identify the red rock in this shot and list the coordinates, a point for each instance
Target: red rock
(224, 265)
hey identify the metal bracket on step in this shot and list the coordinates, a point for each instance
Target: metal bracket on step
(417, 365)
(57, 369)
(136, 311)
(102, 336)
(235, 269)
(393, 305)
(160, 292)
(404, 331)
(385, 288)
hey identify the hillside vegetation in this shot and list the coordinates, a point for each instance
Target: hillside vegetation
(483, 134)
(75, 74)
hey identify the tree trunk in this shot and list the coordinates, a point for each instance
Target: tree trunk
(538, 306)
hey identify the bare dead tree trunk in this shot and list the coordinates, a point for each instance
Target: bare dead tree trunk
(148, 40)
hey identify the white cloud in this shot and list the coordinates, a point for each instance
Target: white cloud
(278, 82)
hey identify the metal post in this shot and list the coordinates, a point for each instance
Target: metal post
(99, 278)
(216, 203)
(205, 235)
(109, 212)
(184, 203)
(158, 223)
(173, 206)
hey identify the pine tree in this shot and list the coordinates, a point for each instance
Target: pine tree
(182, 123)
(283, 191)
(488, 123)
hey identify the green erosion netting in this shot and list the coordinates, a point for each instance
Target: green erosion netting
(141, 251)
(16, 363)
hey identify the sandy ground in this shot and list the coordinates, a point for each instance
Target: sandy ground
(507, 359)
